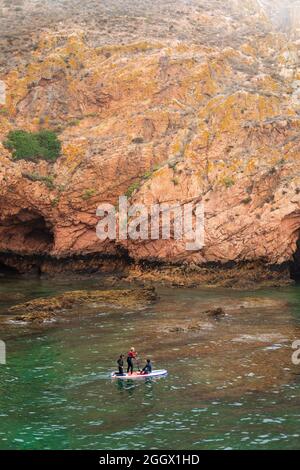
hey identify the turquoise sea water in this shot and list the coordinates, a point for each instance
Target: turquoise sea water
(231, 383)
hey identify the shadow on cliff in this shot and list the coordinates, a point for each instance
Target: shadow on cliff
(26, 233)
(295, 264)
(8, 271)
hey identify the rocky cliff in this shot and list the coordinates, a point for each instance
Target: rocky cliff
(167, 102)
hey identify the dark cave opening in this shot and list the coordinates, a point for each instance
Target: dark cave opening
(295, 264)
(7, 271)
(39, 235)
(27, 232)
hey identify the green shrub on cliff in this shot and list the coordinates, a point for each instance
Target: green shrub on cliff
(88, 194)
(33, 146)
(228, 182)
(47, 180)
(132, 188)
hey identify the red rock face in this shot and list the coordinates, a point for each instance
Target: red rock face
(205, 110)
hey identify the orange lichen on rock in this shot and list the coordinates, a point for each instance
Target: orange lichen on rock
(205, 110)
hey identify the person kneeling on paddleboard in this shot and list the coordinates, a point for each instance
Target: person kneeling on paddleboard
(120, 363)
(130, 357)
(148, 368)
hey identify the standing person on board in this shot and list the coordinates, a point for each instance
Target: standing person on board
(130, 357)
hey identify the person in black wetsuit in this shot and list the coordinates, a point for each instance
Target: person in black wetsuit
(120, 363)
(131, 356)
(148, 368)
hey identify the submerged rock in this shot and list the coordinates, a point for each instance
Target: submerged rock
(10, 296)
(190, 327)
(35, 317)
(216, 313)
(45, 309)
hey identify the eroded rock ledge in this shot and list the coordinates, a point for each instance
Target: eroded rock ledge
(243, 275)
(240, 275)
(15, 264)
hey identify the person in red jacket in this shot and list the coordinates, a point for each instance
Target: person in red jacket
(130, 358)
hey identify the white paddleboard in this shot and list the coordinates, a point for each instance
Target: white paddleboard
(138, 375)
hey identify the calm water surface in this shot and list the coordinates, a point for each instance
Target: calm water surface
(231, 383)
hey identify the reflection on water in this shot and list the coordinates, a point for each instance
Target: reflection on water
(231, 382)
